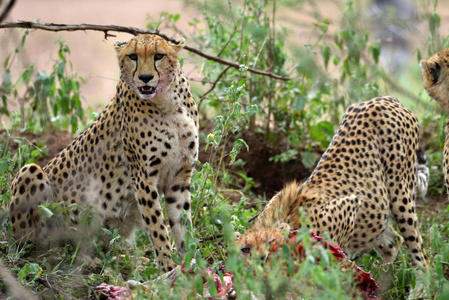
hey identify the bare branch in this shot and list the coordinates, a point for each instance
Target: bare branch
(131, 30)
(214, 83)
(7, 10)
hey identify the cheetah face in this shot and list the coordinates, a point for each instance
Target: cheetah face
(435, 77)
(148, 64)
(255, 242)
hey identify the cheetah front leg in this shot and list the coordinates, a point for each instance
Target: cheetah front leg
(388, 244)
(177, 206)
(338, 217)
(403, 208)
(153, 217)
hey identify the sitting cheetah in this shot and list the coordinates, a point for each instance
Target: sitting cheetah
(144, 144)
(367, 172)
(435, 79)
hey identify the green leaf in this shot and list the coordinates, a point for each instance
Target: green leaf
(107, 231)
(24, 272)
(316, 134)
(375, 52)
(326, 53)
(6, 62)
(28, 269)
(5, 164)
(6, 78)
(212, 287)
(176, 17)
(199, 285)
(299, 103)
(434, 23)
(236, 149)
(47, 213)
(252, 110)
(321, 131)
(308, 159)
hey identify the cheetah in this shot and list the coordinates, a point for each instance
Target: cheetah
(142, 146)
(434, 72)
(367, 173)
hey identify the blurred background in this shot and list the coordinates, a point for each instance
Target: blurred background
(400, 25)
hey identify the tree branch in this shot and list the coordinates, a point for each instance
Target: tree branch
(7, 10)
(131, 30)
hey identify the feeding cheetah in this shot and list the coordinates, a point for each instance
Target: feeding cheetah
(142, 146)
(367, 173)
(435, 77)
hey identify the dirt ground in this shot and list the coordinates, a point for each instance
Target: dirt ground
(269, 176)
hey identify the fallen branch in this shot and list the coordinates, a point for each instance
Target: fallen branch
(131, 30)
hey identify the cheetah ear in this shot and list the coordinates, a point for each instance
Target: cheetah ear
(119, 46)
(177, 45)
(237, 235)
(285, 227)
(430, 71)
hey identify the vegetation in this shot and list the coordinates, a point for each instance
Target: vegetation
(281, 123)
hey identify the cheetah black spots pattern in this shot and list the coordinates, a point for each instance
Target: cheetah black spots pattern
(366, 177)
(142, 146)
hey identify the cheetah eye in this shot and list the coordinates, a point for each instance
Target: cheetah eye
(133, 57)
(246, 250)
(158, 56)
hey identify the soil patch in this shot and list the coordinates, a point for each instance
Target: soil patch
(54, 140)
(269, 176)
(432, 205)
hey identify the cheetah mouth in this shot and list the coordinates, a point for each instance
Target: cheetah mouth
(147, 90)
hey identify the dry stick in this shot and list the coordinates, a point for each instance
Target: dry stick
(7, 10)
(214, 84)
(131, 30)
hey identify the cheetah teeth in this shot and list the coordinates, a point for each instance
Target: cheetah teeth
(147, 90)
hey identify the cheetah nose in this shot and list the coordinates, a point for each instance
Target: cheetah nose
(145, 78)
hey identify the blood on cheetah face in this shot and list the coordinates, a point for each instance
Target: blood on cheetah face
(148, 64)
(255, 241)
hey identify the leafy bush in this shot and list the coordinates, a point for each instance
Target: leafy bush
(46, 99)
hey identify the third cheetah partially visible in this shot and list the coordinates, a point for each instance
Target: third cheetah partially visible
(435, 78)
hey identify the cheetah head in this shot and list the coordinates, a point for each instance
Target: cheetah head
(255, 241)
(435, 77)
(148, 63)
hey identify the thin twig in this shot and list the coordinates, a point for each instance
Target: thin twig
(211, 237)
(213, 84)
(131, 30)
(55, 290)
(7, 10)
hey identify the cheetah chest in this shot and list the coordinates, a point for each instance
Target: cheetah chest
(180, 142)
